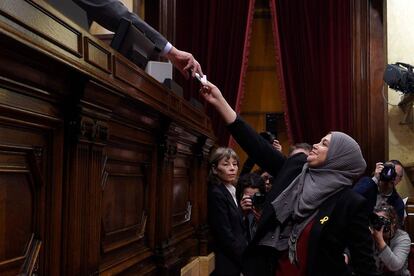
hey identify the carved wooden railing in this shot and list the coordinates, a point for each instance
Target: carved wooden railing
(99, 163)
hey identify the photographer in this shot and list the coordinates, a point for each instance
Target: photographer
(392, 245)
(381, 187)
(252, 200)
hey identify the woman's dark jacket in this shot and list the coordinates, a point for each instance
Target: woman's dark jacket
(341, 222)
(225, 219)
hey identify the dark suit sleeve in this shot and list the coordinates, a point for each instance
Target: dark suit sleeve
(219, 215)
(360, 242)
(364, 185)
(256, 147)
(108, 13)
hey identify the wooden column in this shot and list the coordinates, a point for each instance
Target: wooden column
(202, 151)
(161, 14)
(369, 57)
(87, 134)
(168, 151)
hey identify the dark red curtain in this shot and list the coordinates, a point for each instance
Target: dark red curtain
(313, 48)
(214, 32)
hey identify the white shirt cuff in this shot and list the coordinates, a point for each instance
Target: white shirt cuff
(166, 49)
(375, 179)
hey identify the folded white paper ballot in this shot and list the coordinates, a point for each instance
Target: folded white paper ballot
(202, 79)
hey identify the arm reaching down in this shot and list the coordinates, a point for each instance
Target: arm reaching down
(184, 62)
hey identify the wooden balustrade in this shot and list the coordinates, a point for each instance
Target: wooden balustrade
(102, 169)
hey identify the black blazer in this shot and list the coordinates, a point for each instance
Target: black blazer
(342, 220)
(228, 229)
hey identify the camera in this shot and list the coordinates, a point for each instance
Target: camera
(377, 222)
(388, 173)
(400, 76)
(258, 200)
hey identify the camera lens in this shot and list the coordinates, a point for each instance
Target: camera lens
(388, 173)
(378, 222)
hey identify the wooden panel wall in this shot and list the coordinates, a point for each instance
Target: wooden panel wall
(369, 58)
(102, 170)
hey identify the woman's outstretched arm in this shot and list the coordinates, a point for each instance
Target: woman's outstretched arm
(213, 95)
(256, 147)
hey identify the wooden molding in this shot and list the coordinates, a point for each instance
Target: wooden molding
(369, 109)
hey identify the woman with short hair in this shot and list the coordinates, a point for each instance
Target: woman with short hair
(225, 217)
(392, 245)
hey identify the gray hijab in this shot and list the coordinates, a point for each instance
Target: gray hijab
(300, 201)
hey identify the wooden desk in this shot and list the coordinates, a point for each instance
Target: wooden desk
(102, 170)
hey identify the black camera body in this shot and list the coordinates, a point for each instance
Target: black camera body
(388, 173)
(258, 199)
(400, 76)
(377, 222)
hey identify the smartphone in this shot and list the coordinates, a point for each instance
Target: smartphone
(271, 123)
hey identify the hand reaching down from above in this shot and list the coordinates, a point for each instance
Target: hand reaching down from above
(184, 62)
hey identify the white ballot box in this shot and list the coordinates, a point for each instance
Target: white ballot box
(159, 70)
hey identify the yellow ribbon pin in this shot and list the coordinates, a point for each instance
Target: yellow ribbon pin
(324, 219)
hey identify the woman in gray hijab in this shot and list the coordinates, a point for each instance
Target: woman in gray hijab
(311, 215)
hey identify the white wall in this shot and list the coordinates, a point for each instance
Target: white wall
(400, 43)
